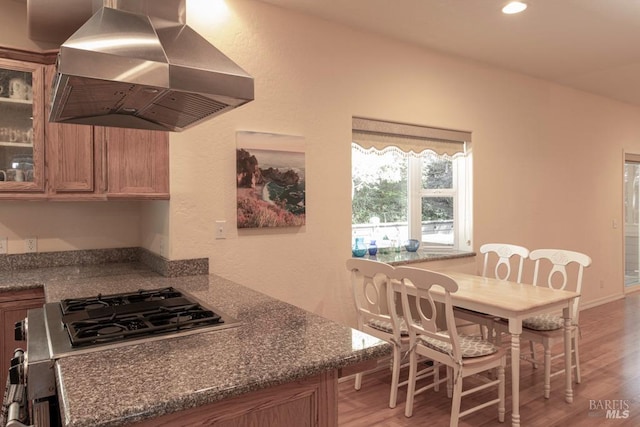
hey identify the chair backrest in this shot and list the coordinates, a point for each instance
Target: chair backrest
(372, 294)
(424, 281)
(504, 252)
(559, 259)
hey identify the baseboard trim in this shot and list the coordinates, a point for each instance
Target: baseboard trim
(601, 301)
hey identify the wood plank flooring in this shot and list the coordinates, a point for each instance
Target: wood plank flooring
(610, 366)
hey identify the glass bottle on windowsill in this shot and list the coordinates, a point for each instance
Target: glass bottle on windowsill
(373, 248)
(359, 249)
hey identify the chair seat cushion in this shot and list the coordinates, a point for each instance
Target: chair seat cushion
(470, 346)
(388, 327)
(543, 322)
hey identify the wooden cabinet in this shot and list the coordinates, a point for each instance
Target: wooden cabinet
(136, 163)
(13, 308)
(78, 162)
(72, 160)
(93, 162)
(21, 126)
(96, 163)
(71, 154)
(310, 402)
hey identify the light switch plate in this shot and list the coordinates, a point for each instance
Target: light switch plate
(221, 229)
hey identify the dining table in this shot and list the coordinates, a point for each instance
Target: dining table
(514, 302)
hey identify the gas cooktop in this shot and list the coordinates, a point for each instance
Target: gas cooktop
(86, 324)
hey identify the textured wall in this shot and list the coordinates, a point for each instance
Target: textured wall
(64, 226)
(547, 159)
(13, 21)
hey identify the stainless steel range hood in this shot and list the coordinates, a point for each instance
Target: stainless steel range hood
(128, 68)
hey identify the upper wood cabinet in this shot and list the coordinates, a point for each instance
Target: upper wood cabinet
(94, 162)
(68, 161)
(73, 163)
(21, 127)
(136, 163)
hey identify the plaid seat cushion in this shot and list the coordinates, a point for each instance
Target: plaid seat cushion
(387, 327)
(470, 346)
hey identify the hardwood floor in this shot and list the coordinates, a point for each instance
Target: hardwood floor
(610, 367)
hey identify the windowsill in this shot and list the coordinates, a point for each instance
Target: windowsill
(422, 255)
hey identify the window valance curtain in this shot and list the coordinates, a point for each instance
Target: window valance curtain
(377, 135)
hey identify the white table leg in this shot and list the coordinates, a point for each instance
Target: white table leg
(568, 372)
(515, 329)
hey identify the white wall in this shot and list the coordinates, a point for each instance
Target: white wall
(66, 226)
(547, 159)
(13, 21)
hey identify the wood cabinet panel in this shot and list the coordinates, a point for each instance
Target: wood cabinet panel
(13, 308)
(137, 163)
(72, 161)
(310, 402)
(20, 117)
(71, 158)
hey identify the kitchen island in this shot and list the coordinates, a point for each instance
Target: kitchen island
(280, 364)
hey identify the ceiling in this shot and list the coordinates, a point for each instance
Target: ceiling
(592, 45)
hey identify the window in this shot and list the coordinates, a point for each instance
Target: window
(411, 182)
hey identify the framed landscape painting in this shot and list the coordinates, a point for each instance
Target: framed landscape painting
(271, 180)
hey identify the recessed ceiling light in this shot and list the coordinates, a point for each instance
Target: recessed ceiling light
(514, 7)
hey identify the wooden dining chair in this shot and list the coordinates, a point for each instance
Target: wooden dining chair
(547, 329)
(500, 256)
(377, 315)
(463, 356)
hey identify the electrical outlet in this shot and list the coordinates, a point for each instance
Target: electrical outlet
(221, 229)
(3, 245)
(31, 244)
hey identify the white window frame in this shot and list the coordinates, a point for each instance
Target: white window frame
(397, 134)
(460, 192)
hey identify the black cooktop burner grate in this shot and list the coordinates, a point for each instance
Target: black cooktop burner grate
(101, 301)
(113, 318)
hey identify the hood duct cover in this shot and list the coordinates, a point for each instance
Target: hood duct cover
(132, 70)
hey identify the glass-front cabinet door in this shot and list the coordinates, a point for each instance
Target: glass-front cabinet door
(21, 126)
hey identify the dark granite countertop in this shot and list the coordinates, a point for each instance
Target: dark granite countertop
(276, 343)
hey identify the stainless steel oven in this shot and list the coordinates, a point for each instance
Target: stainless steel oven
(30, 395)
(75, 326)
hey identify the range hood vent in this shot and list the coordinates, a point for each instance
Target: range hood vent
(134, 70)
